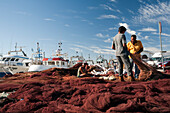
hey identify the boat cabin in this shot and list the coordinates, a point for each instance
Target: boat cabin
(59, 62)
(76, 59)
(15, 60)
(101, 61)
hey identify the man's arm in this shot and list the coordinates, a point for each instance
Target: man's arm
(125, 46)
(141, 46)
(128, 46)
(81, 71)
(124, 41)
(139, 51)
(113, 45)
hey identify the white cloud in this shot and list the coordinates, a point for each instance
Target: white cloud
(45, 39)
(75, 11)
(84, 20)
(72, 11)
(141, 1)
(91, 23)
(113, 0)
(110, 8)
(97, 50)
(155, 33)
(77, 49)
(118, 11)
(92, 8)
(128, 29)
(148, 29)
(108, 40)
(107, 7)
(146, 37)
(163, 34)
(123, 19)
(67, 25)
(154, 13)
(23, 13)
(131, 11)
(138, 36)
(112, 28)
(49, 19)
(101, 35)
(165, 45)
(107, 17)
(151, 49)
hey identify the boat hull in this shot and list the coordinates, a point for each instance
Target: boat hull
(37, 68)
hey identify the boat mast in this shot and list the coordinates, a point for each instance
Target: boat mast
(160, 31)
(38, 50)
(89, 56)
(16, 48)
(59, 49)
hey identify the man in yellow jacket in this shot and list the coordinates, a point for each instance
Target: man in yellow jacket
(135, 47)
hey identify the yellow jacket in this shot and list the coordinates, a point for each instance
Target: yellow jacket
(134, 48)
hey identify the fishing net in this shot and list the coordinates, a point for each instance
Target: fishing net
(147, 72)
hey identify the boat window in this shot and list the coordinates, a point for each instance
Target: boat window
(99, 62)
(57, 63)
(17, 59)
(44, 63)
(62, 63)
(51, 63)
(166, 59)
(7, 59)
(27, 64)
(3, 59)
(156, 58)
(12, 59)
(19, 64)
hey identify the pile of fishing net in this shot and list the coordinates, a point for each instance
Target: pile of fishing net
(147, 72)
(59, 90)
(86, 95)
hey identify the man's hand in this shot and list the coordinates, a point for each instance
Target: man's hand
(135, 53)
(113, 47)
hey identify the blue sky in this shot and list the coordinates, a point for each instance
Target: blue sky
(87, 26)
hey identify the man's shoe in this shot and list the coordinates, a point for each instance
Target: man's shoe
(121, 78)
(131, 78)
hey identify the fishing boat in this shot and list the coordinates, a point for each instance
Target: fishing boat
(3, 71)
(102, 61)
(76, 59)
(89, 61)
(157, 58)
(15, 61)
(58, 60)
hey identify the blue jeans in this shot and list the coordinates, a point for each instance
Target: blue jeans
(137, 71)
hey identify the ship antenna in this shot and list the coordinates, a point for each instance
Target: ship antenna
(59, 48)
(38, 50)
(89, 56)
(16, 48)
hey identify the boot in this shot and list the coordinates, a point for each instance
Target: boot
(121, 78)
(131, 78)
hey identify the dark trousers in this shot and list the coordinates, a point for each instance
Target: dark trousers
(124, 60)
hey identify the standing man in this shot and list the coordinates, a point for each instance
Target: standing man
(135, 47)
(119, 44)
